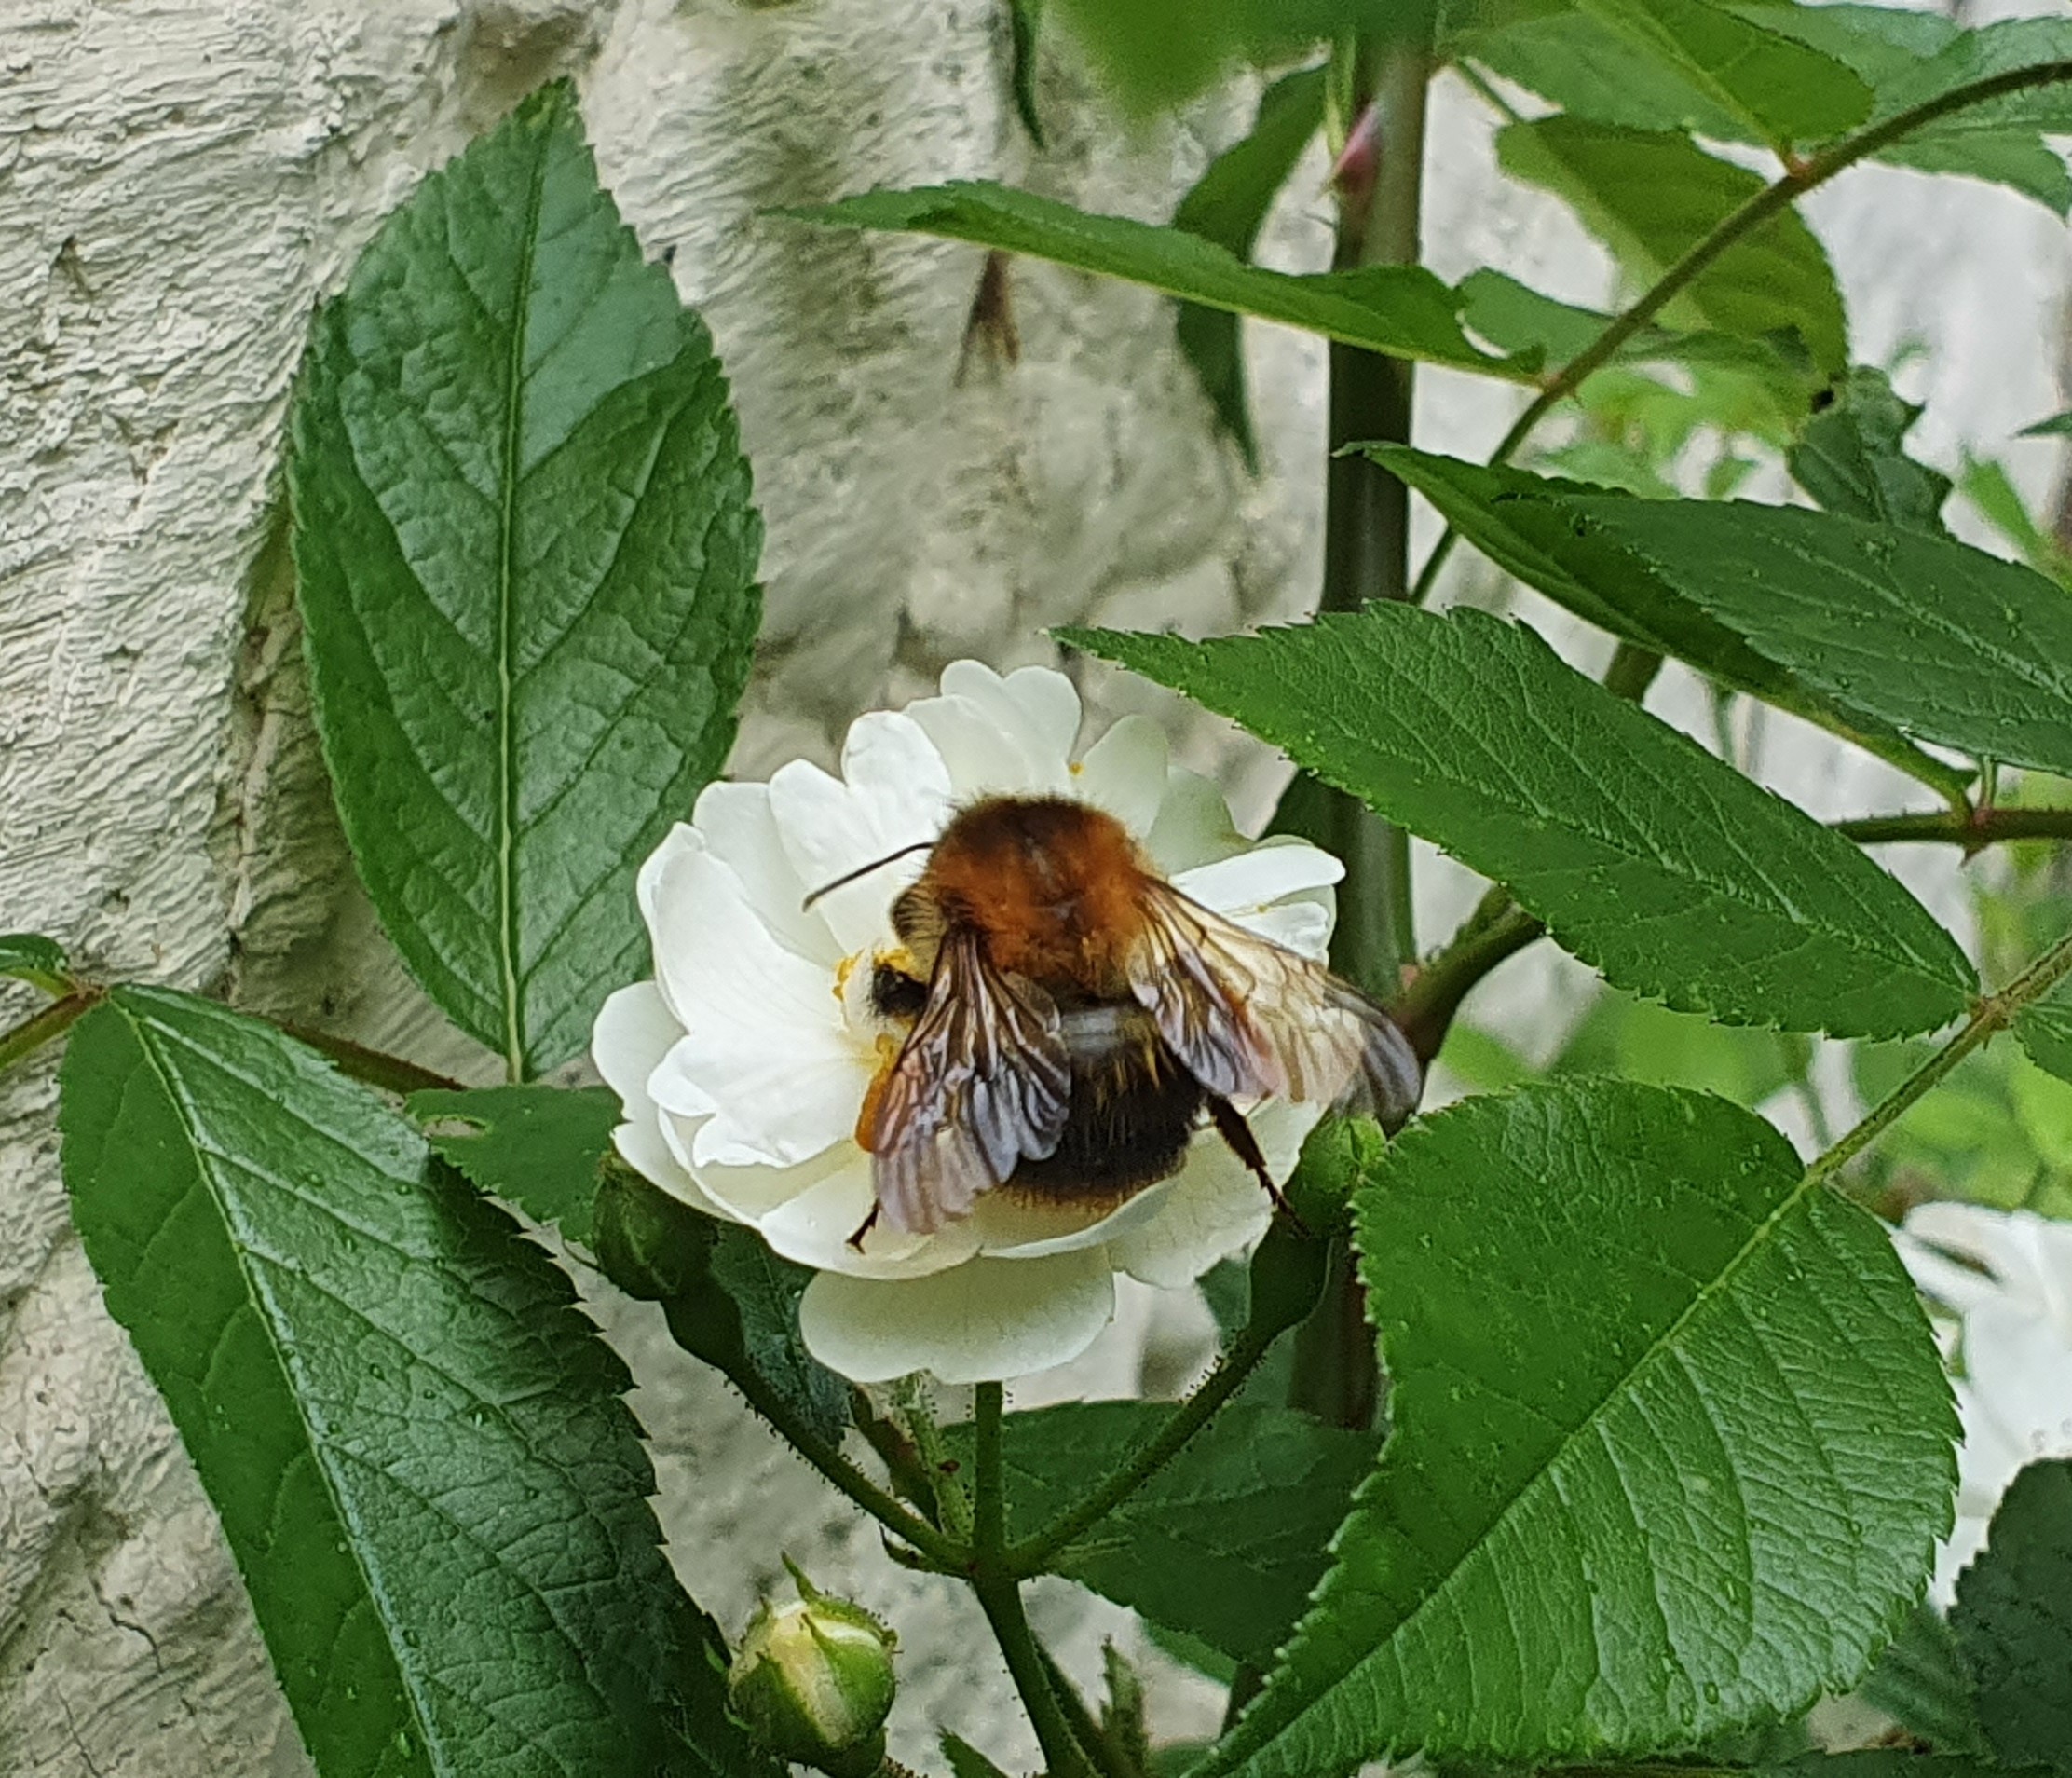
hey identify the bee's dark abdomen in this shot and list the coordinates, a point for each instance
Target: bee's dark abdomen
(1134, 1110)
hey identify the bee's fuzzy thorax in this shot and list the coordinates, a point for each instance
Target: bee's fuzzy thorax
(1056, 886)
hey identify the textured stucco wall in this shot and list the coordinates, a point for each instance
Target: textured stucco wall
(179, 181)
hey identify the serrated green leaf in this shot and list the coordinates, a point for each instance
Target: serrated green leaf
(1401, 311)
(415, 1441)
(1223, 1544)
(1650, 196)
(2044, 1030)
(1940, 640)
(527, 558)
(1670, 1443)
(2014, 1621)
(42, 963)
(1780, 90)
(539, 1147)
(1851, 456)
(1522, 523)
(1644, 855)
(765, 1290)
(1920, 1681)
(965, 1760)
(1227, 205)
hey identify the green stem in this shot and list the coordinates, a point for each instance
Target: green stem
(1000, 1596)
(1982, 828)
(943, 1552)
(1032, 1555)
(1797, 180)
(1992, 1013)
(45, 1026)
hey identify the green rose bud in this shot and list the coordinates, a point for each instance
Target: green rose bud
(813, 1682)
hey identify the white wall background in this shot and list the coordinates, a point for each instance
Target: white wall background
(180, 180)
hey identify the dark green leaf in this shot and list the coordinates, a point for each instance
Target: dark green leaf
(1522, 523)
(1650, 196)
(414, 1440)
(527, 559)
(540, 1147)
(1223, 1544)
(1402, 311)
(1943, 640)
(1025, 20)
(765, 1290)
(2014, 1621)
(1883, 1763)
(1920, 1681)
(1851, 456)
(965, 1760)
(1646, 855)
(2057, 426)
(1227, 206)
(30, 957)
(1671, 1443)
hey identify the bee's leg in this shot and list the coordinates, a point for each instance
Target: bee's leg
(1237, 1133)
(865, 1227)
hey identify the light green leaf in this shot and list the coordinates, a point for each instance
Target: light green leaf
(1650, 196)
(1153, 53)
(1402, 311)
(1224, 1544)
(1646, 855)
(1780, 91)
(1941, 640)
(40, 961)
(2014, 1621)
(1851, 456)
(414, 1440)
(1522, 523)
(2044, 1028)
(1227, 206)
(539, 1147)
(1921, 1682)
(1670, 1443)
(527, 559)
(1641, 1041)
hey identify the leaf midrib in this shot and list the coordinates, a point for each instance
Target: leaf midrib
(260, 1301)
(1659, 1350)
(507, 743)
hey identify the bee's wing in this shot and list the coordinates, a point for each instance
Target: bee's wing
(982, 1081)
(1251, 1018)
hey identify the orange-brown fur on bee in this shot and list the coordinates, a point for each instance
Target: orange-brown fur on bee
(1074, 1016)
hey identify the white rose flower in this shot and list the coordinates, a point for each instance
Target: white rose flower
(743, 1067)
(2007, 1276)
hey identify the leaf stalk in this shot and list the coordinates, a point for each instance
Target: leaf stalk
(47, 1026)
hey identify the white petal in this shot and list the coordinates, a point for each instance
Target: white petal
(987, 757)
(1039, 701)
(1301, 927)
(1193, 825)
(894, 791)
(634, 1031)
(2021, 1375)
(678, 842)
(1124, 772)
(765, 1042)
(1217, 1207)
(740, 831)
(1276, 867)
(979, 1323)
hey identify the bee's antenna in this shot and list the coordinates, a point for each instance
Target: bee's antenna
(862, 870)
